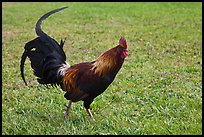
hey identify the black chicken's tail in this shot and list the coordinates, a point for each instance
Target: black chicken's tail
(47, 57)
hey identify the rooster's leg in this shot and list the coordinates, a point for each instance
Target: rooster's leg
(90, 114)
(68, 109)
(87, 106)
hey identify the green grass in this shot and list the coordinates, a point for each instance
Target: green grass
(157, 91)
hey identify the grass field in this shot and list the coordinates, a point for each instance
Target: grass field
(157, 91)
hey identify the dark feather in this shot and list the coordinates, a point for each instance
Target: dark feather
(46, 55)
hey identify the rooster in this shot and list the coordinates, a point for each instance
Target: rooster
(81, 82)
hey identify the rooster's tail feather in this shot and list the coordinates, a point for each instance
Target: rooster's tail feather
(47, 57)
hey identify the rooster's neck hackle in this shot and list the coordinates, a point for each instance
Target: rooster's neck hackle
(106, 62)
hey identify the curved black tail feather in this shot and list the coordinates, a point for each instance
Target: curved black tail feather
(47, 57)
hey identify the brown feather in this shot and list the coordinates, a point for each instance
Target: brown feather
(105, 62)
(69, 81)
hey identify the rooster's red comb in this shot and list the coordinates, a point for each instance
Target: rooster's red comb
(122, 42)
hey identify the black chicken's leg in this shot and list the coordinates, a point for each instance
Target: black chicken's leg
(87, 106)
(90, 114)
(68, 109)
